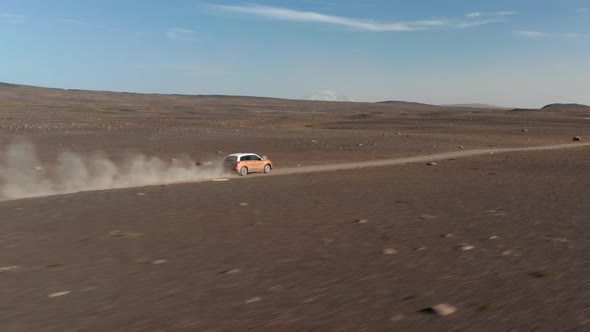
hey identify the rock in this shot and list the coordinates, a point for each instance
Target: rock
(59, 294)
(540, 274)
(398, 133)
(361, 221)
(447, 235)
(140, 194)
(396, 318)
(420, 249)
(465, 247)
(427, 216)
(219, 152)
(199, 163)
(442, 309)
(243, 204)
(314, 141)
(525, 130)
(8, 268)
(508, 253)
(577, 138)
(461, 147)
(253, 299)
(389, 251)
(232, 271)
(38, 168)
(493, 237)
(159, 261)
(432, 163)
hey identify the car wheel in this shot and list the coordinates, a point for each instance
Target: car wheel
(244, 171)
(267, 168)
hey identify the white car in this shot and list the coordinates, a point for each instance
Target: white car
(245, 163)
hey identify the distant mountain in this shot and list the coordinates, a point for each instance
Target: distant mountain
(565, 107)
(401, 102)
(328, 95)
(476, 105)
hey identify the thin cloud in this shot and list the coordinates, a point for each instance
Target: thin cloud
(539, 34)
(580, 10)
(531, 34)
(494, 14)
(12, 18)
(286, 14)
(182, 34)
(472, 24)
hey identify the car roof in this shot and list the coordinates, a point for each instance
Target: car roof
(241, 154)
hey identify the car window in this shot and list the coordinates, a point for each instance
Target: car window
(245, 158)
(231, 158)
(253, 157)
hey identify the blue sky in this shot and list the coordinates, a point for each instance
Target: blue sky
(523, 53)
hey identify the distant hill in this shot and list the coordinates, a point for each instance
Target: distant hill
(476, 105)
(15, 96)
(565, 107)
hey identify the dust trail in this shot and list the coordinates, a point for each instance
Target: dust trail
(22, 174)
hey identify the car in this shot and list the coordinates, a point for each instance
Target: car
(245, 163)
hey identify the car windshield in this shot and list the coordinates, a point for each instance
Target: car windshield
(231, 158)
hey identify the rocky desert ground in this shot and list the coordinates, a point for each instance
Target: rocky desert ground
(388, 216)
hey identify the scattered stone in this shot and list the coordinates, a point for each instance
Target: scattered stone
(486, 307)
(219, 152)
(447, 235)
(55, 265)
(427, 216)
(232, 271)
(493, 237)
(508, 253)
(140, 194)
(243, 204)
(389, 251)
(314, 141)
(432, 163)
(129, 235)
(577, 138)
(253, 299)
(199, 163)
(465, 247)
(525, 130)
(461, 147)
(359, 144)
(8, 268)
(442, 309)
(398, 133)
(361, 221)
(420, 248)
(59, 294)
(38, 168)
(396, 318)
(540, 274)
(159, 261)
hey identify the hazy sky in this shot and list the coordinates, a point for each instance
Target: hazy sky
(523, 53)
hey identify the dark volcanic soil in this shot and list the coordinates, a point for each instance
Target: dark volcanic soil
(284, 252)
(295, 252)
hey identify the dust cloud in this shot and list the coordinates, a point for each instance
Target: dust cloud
(23, 175)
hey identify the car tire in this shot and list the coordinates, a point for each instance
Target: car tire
(244, 171)
(267, 168)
